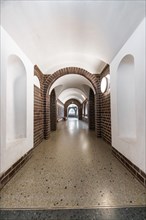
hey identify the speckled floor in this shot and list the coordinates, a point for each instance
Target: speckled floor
(73, 169)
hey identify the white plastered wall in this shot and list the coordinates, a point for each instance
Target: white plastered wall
(13, 150)
(135, 148)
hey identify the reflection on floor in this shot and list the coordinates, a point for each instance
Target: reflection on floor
(73, 169)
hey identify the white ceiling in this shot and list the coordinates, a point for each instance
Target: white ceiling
(72, 86)
(72, 93)
(58, 34)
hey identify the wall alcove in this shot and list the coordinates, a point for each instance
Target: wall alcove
(126, 99)
(16, 99)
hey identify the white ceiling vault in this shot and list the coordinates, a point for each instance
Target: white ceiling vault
(63, 33)
(56, 34)
(72, 86)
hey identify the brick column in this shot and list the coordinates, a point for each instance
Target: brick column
(91, 112)
(80, 112)
(53, 115)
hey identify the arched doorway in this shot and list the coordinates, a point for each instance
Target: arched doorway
(93, 82)
(76, 103)
(72, 111)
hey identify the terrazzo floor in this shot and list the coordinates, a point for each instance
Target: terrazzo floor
(73, 169)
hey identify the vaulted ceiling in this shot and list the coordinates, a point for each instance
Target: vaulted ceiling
(58, 34)
(72, 86)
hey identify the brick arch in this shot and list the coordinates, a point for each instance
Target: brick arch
(94, 79)
(70, 70)
(76, 102)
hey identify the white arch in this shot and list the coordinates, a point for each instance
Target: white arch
(16, 99)
(72, 93)
(72, 81)
(126, 98)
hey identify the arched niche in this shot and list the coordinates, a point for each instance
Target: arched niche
(126, 98)
(16, 99)
(36, 82)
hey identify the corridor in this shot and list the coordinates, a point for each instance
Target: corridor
(72, 110)
(73, 169)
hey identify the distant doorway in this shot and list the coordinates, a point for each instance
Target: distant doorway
(72, 111)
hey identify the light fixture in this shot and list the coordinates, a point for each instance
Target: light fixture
(104, 84)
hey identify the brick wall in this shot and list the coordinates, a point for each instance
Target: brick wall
(38, 117)
(47, 123)
(105, 109)
(98, 109)
(53, 113)
(91, 110)
(38, 109)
